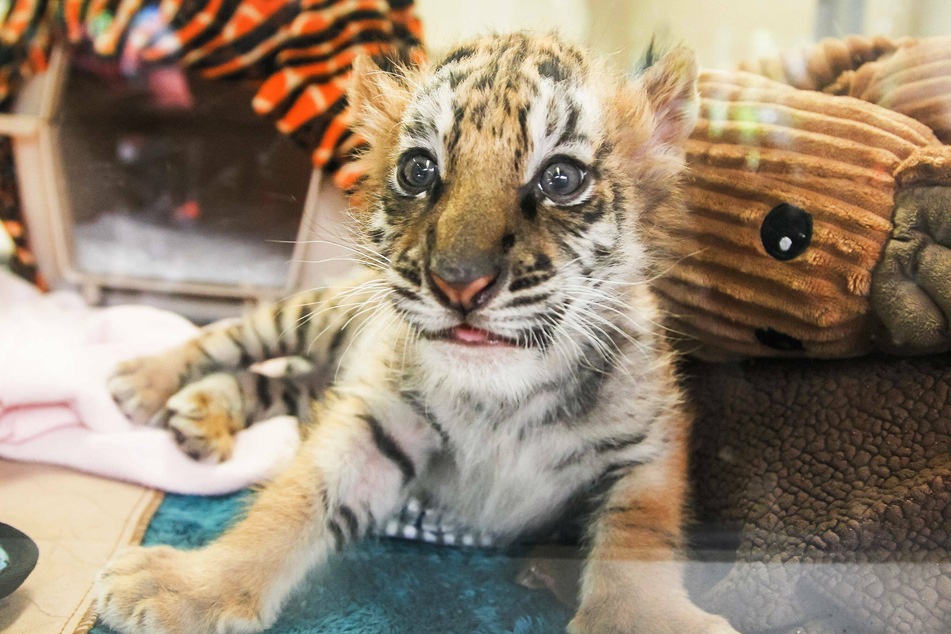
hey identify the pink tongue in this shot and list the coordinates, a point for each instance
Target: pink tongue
(470, 335)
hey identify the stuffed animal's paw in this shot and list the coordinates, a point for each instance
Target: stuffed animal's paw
(204, 417)
(142, 386)
(166, 591)
(911, 285)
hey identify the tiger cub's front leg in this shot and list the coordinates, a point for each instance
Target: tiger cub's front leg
(633, 578)
(142, 386)
(316, 325)
(351, 471)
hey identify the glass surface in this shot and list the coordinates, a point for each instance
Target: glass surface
(821, 496)
(170, 177)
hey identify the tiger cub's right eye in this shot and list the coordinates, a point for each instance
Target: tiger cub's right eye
(416, 172)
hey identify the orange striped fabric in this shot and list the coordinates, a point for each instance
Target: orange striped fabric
(17, 21)
(25, 38)
(23, 263)
(304, 50)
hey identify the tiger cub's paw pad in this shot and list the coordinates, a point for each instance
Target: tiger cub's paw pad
(204, 417)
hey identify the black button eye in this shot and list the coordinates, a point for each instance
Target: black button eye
(786, 231)
(416, 172)
(561, 179)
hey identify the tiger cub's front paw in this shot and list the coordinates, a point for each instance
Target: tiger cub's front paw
(161, 590)
(141, 387)
(625, 616)
(204, 417)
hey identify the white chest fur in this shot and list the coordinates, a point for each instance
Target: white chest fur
(511, 466)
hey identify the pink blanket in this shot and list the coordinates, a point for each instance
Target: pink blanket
(55, 356)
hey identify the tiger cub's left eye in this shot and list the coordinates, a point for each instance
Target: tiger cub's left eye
(417, 172)
(560, 180)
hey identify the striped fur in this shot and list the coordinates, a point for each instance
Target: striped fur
(500, 359)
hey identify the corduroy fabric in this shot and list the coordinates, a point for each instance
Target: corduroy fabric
(759, 144)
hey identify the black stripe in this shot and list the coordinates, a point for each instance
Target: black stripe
(210, 359)
(571, 125)
(218, 20)
(376, 236)
(333, 29)
(337, 340)
(456, 55)
(618, 470)
(604, 445)
(281, 335)
(528, 300)
(604, 252)
(553, 68)
(388, 447)
(253, 331)
(529, 281)
(420, 128)
(240, 46)
(353, 527)
(451, 143)
(290, 396)
(409, 275)
(337, 534)
(310, 133)
(523, 127)
(306, 313)
(366, 36)
(412, 398)
(595, 213)
(406, 293)
(529, 205)
(245, 359)
(619, 442)
(262, 391)
(443, 436)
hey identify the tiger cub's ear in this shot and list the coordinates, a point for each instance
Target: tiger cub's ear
(377, 97)
(671, 87)
(659, 108)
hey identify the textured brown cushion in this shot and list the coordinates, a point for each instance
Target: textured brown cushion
(831, 478)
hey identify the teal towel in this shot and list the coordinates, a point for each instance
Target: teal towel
(383, 585)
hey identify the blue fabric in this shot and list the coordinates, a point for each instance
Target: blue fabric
(383, 585)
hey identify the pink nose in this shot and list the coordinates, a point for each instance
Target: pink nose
(465, 295)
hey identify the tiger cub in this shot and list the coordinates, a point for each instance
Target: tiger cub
(500, 359)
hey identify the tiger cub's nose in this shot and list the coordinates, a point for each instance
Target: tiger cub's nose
(463, 294)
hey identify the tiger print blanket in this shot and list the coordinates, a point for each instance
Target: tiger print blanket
(298, 52)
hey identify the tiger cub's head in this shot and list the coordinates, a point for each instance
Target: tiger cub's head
(510, 187)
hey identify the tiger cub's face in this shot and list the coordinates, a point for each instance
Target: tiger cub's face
(510, 188)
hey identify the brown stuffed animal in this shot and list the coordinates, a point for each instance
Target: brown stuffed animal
(820, 227)
(819, 223)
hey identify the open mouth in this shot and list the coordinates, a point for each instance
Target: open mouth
(466, 335)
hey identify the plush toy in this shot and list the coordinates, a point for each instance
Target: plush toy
(819, 226)
(819, 222)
